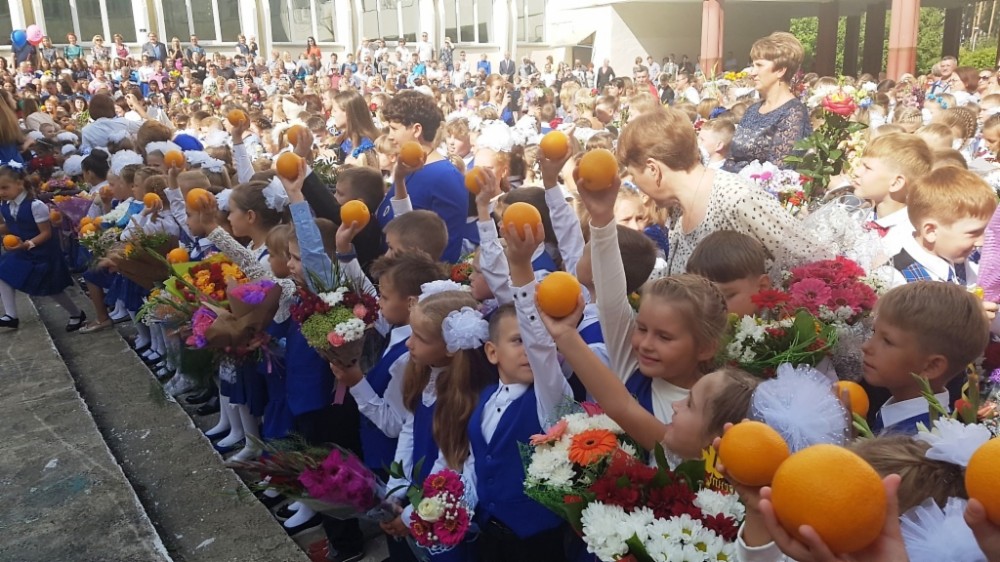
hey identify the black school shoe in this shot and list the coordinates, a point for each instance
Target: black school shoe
(201, 397)
(76, 322)
(8, 322)
(314, 521)
(209, 408)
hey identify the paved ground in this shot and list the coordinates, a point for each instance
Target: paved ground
(64, 496)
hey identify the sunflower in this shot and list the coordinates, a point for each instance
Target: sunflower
(591, 446)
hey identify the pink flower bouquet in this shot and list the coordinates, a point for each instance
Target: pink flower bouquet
(441, 518)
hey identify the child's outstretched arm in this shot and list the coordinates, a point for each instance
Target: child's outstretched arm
(241, 158)
(315, 261)
(492, 261)
(565, 223)
(401, 202)
(601, 382)
(348, 258)
(617, 318)
(551, 388)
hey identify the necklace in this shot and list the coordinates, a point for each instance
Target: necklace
(690, 211)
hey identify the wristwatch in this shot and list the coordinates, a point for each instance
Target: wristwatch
(30, 244)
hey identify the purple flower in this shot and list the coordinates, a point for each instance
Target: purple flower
(253, 292)
(201, 321)
(995, 376)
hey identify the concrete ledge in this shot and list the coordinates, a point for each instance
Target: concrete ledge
(200, 508)
(64, 495)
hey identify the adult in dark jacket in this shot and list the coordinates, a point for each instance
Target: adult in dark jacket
(154, 49)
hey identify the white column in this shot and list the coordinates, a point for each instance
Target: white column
(248, 19)
(17, 15)
(428, 21)
(143, 24)
(501, 30)
(345, 24)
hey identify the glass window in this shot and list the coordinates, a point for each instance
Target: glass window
(326, 21)
(484, 18)
(203, 14)
(6, 25)
(229, 19)
(58, 19)
(465, 17)
(89, 14)
(369, 19)
(450, 20)
(280, 26)
(388, 21)
(122, 21)
(411, 19)
(175, 21)
(531, 21)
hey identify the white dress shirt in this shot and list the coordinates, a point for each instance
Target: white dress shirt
(893, 412)
(39, 211)
(387, 412)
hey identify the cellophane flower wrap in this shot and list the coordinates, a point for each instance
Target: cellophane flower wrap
(784, 185)
(332, 481)
(99, 242)
(590, 473)
(442, 516)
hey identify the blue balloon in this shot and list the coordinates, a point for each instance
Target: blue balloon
(18, 38)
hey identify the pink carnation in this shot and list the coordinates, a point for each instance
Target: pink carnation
(554, 433)
(335, 339)
(360, 311)
(592, 408)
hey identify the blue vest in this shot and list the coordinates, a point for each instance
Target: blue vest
(544, 262)
(500, 470)
(309, 382)
(904, 427)
(592, 334)
(641, 386)
(424, 447)
(379, 448)
(23, 225)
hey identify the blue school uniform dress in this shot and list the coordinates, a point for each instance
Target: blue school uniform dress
(40, 271)
(278, 419)
(438, 187)
(500, 470)
(121, 288)
(380, 449)
(250, 386)
(309, 384)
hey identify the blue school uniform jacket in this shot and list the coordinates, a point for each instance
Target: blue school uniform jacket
(309, 382)
(500, 471)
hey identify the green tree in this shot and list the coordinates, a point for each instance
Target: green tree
(930, 38)
(983, 57)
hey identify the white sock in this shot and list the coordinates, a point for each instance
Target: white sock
(156, 334)
(294, 506)
(271, 493)
(301, 516)
(251, 428)
(142, 331)
(119, 309)
(9, 299)
(63, 300)
(236, 434)
(172, 343)
(223, 424)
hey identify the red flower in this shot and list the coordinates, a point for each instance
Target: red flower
(723, 526)
(840, 104)
(610, 491)
(672, 500)
(769, 299)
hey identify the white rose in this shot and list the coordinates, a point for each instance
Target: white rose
(430, 509)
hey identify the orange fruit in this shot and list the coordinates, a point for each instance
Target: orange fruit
(598, 168)
(554, 145)
(287, 165)
(11, 241)
(150, 199)
(471, 180)
(981, 475)
(88, 228)
(173, 159)
(292, 134)
(197, 198)
(411, 154)
(558, 294)
(520, 214)
(859, 398)
(834, 491)
(178, 255)
(85, 221)
(355, 211)
(236, 116)
(55, 217)
(751, 452)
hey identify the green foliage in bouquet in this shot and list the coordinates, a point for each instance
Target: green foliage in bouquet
(822, 154)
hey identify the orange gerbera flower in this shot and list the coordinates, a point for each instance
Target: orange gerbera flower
(590, 446)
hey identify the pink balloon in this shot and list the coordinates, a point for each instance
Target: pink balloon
(34, 34)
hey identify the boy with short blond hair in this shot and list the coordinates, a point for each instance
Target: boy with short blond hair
(714, 139)
(932, 330)
(889, 166)
(949, 208)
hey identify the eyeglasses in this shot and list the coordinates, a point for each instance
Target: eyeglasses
(985, 77)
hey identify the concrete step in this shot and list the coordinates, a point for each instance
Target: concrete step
(202, 510)
(64, 495)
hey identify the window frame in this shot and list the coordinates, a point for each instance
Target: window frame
(314, 11)
(473, 20)
(38, 8)
(202, 40)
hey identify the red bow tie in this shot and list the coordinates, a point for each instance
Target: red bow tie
(875, 227)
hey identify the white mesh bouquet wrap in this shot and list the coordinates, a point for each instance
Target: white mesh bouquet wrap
(800, 404)
(839, 227)
(989, 261)
(275, 195)
(441, 286)
(952, 441)
(932, 534)
(465, 329)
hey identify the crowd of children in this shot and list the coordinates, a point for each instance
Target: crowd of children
(468, 366)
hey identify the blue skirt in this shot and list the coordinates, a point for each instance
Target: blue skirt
(38, 272)
(278, 419)
(126, 291)
(250, 389)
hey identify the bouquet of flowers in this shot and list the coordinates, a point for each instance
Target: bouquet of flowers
(330, 481)
(59, 185)
(97, 241)
(784, 185)
(590, 473)
(163, 306)
(461, 272)
(326, 170)
(238, 328)
(141, 258)
(819, 156)
(758, 345)
(442, 515)
(73, 208)
(206, 279)
(334, 319)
